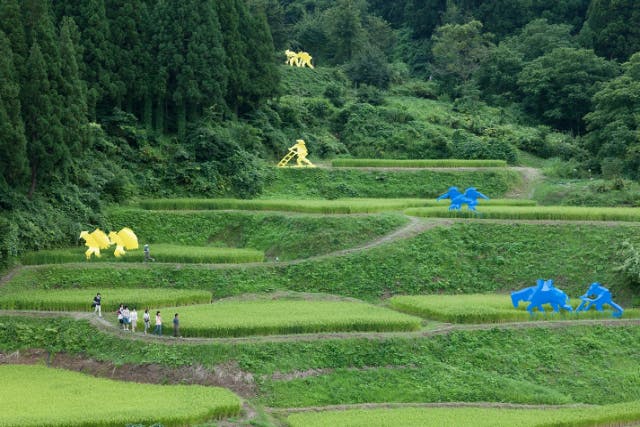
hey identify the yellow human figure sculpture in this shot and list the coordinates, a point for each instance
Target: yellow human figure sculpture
(300, 59)
(298, 149)
(95, 240)
(304, 59)
(124, 238)
(291, 57)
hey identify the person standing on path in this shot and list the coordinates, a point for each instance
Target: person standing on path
(147, 321)
(158, 329)
(176, 326)
(134, 319)
(126, 317)
(97, 300)
(147, 253)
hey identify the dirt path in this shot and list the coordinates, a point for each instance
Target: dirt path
(530, 177)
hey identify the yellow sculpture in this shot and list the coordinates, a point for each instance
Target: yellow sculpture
(95, 241)
(300, 59)
(124, 238)
(298, 149)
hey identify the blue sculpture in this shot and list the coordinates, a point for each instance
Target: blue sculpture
(470, 198)
(602, 296)
(543, 293)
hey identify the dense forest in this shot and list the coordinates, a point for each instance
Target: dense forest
(105, 100)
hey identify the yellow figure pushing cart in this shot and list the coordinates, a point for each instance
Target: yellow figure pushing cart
(298, 149)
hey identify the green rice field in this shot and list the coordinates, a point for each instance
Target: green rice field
(417, 163)
(488, 308)
(560, 213)
(608, 415)
(80, 299)
(340, 206)
(242, 318)
(161, 252)
(41, 396)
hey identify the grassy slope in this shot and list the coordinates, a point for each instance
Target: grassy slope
(463, 258)
(305, 235)
(588, 364)
(334, 183)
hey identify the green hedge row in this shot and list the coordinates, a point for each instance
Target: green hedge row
(418, 163)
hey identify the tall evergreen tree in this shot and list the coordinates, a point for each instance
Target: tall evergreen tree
(613, 28)
(47, 155)
(72, 91)
(13, 155)
(11, 24)
(237, 60)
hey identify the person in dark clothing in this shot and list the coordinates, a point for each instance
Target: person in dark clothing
(176, 326)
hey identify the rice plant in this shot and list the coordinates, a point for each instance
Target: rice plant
(558, 213)
(487, 308)
(617, 414)
(33, 396)
(339, 206)
(80, 299)
(161, 252)
(242, 318)
(417, 163)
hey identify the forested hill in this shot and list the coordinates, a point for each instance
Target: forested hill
(105, 100)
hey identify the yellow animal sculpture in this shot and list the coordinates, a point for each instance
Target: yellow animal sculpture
(124, 238)
(300, 59)
(95, 241)
(298, 149)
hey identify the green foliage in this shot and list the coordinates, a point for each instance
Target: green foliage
(370, 67)
(558, 86)
(268, 317)
(611, 28)
(417, 163)
(613, 124)
(558, 213)
(481, 417)
(629, 264)
(163, 252)
(279, 235)
(74, 399)
(80, 300)
(458, 52)
(594, 192)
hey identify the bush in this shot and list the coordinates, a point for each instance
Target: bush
(335, 93)
(370, 67)
(370, 95)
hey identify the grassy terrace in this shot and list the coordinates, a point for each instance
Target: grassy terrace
(417, 163)
(461, 258)
(559, 213)
(306, 235)
(241, 318)
(340, 206)
(40, 396)
(321, 183)
(472, 417)
(485, 308)
(162, 252)
(80, 300)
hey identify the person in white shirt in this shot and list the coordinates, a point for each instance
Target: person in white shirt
(134, 319)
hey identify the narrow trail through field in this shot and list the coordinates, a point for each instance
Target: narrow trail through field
(530, 177)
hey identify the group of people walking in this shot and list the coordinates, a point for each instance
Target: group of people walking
(128, 318)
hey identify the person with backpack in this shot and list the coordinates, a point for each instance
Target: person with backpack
(97, 300)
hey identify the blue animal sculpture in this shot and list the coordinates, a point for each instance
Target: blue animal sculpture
(470, 198)
(543, 293)
(601, 296)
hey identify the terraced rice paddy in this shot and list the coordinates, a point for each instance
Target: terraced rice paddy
(241, 318)
(41, 396)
